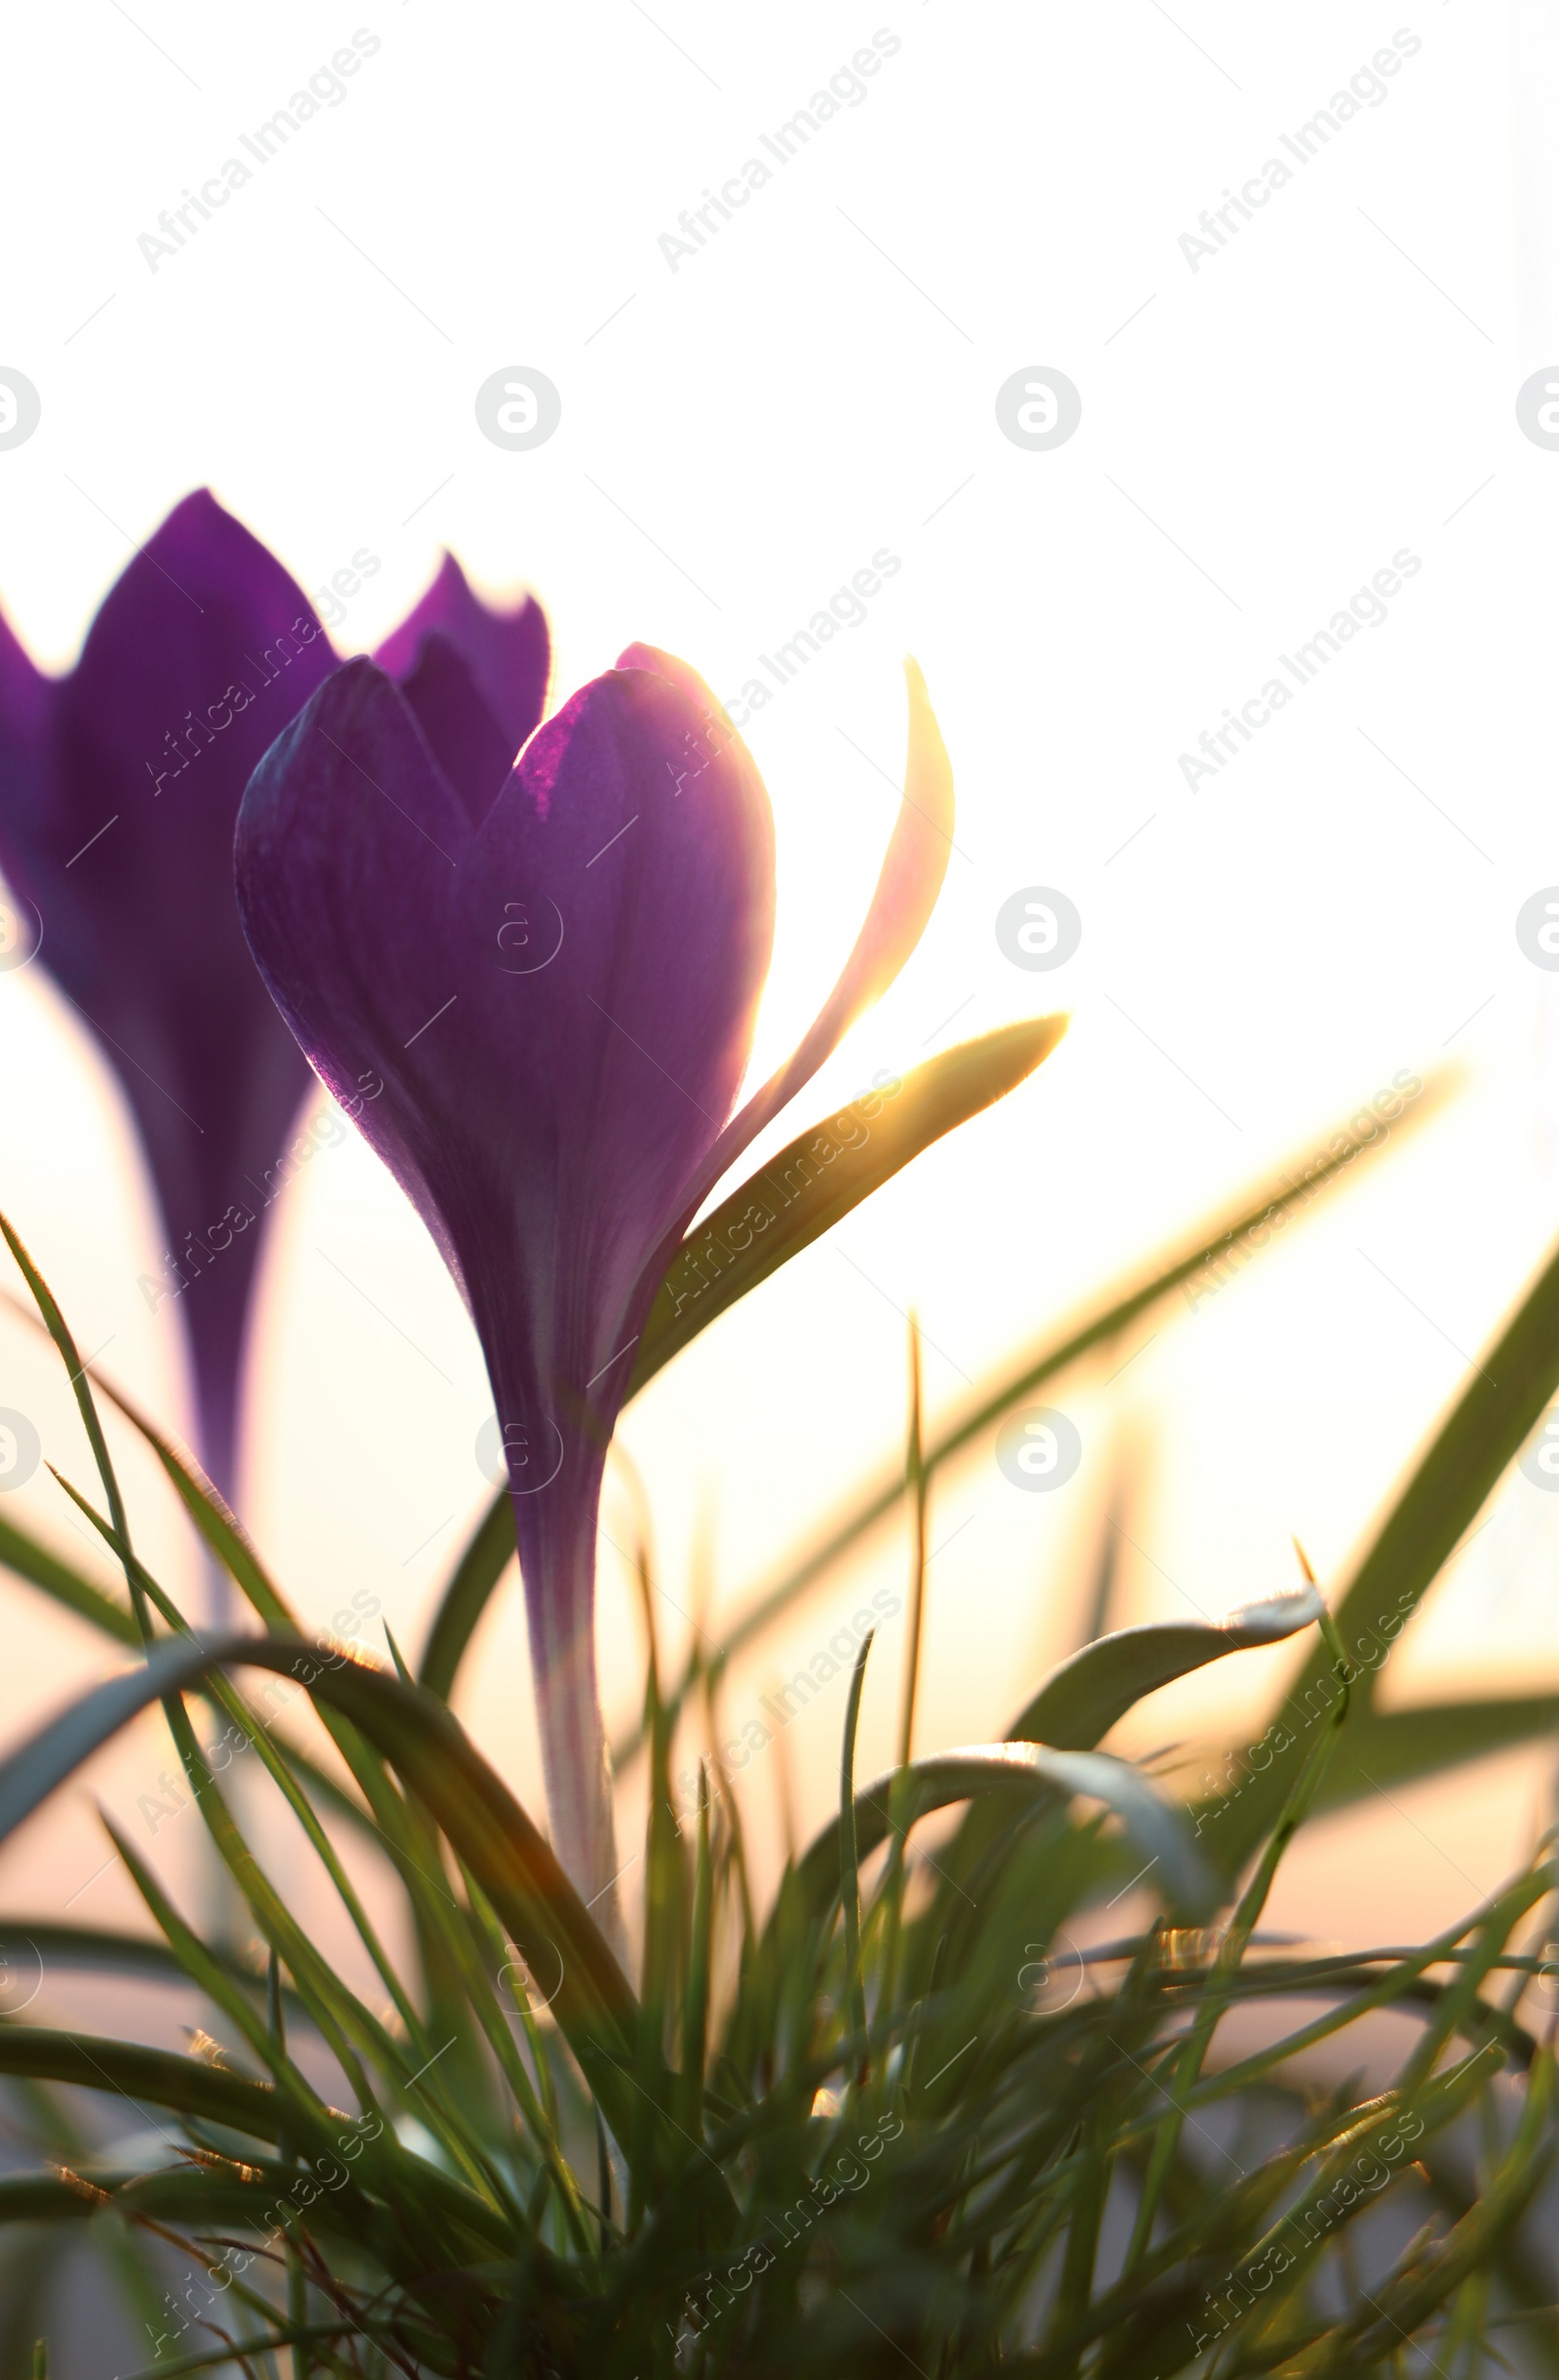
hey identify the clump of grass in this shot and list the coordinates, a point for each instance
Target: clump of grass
(899, 2119)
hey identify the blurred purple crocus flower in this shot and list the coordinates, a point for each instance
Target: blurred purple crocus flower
(119, 787)
(557, 987)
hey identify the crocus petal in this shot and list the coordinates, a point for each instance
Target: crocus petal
(541, 1026)
(23, 706)
(470, 749)
(508, 655)
(200, 654)
(907, 888)
(24, 728)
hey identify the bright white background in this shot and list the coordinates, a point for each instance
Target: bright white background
(738, 437)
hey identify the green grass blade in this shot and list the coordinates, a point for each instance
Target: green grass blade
(59, 1330)
(99, 1949)
(1080, 1701)
(695, 2004)
(427, 2202)
(848, 1844)
(161, 2078)
(464, 1600)
(1407, 2298)
(1215, 1997)
(823, 1175)
(385, 1820)
(22, 1553)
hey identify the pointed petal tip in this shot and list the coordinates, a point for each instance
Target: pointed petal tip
(913, 870)
(506, 646)
(927, 770)
(200, 519)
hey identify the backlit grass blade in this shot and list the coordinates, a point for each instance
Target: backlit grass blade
(824, 1173)
(161, 2078)
(329, 2005)
(464, 1600)
(1083, 1699)
(384, 1821)
(848, 1844)
(1080, 1703)
(1213, 2001)
(59, 1331)
(1283, 1194)
(1505, 1396)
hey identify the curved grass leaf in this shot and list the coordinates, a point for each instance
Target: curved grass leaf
(164, 2078)
(1080, 1703)
(1081, 1700)
(1034, 1772)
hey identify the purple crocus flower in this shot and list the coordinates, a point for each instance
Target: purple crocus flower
(119, 787)
(557, 988)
